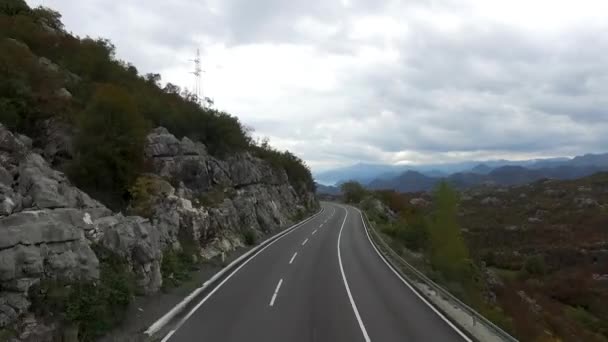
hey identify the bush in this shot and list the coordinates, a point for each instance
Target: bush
(176, 266)
(145, 191)
(250, 237)
(94, 307)
(415, 236)
(109, 146)
(212, 198)
(535, 266)
(587, 320)
(353, 192)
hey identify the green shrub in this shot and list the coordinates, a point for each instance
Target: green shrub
(535, 265)
(176, 267)
(94, 307)
(587, 320)
(497, 316)
(109, 145)
(415, 236)
(212, 198)
(250, 237)
(144, 192)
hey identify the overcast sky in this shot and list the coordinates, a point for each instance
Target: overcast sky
(346, 81)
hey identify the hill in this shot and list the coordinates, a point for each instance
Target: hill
(113, 187)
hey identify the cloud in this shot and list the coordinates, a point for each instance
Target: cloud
(389, 81)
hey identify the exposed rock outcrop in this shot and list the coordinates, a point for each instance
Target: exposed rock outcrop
(248, 194)
(49, 228)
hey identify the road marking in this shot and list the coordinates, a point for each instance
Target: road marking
(314, 232)
(463, 335)
(285, 233)
(321, 225)
(274, 296)
(305, 241)
(350, 296)
(293, 257)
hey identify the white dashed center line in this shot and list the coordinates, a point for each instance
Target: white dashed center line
(305, 241)
(314, 232)
(274, 296)
(293, 257)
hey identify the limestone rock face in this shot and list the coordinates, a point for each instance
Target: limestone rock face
(48, 226)
(137, 241)
(249, 194)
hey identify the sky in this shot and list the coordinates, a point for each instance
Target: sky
(398, 82)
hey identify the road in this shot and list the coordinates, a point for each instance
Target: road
(323, 281)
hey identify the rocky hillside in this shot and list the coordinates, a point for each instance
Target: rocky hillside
(98, 202)
(50, 231)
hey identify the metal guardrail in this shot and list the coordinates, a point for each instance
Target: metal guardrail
(412, 271)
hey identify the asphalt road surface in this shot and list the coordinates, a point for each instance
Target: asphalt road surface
(323, 281)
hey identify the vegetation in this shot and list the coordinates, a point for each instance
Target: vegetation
(176, 267)
(250, 237)
(143, 193)
(93, 307)
(535, 265)
(47, 73)
(449, 254)
(297, 171)
(353, 192)
(533, 261)
(114, 151)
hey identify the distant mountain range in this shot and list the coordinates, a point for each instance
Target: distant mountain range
(411, 181)
(466, 174)
(365, 173)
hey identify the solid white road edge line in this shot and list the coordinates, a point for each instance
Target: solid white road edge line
(350, 296)
(305, 241)
(161, 322)
(276, 291)
(293, 257)
(463, 335)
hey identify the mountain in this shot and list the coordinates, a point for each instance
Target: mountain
(481, 169)
(561, 168)
(412, 181)
(600, 160)
(327, 190)
(409, 181)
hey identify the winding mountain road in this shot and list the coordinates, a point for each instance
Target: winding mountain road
(323, 281)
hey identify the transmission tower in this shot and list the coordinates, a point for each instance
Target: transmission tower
(198, 71)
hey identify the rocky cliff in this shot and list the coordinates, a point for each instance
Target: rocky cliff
(189, 200)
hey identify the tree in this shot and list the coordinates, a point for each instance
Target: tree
(13, 7)
(353, 191)
(109, 146)
(449, 254)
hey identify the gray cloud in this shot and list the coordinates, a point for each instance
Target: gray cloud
(379, 81)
